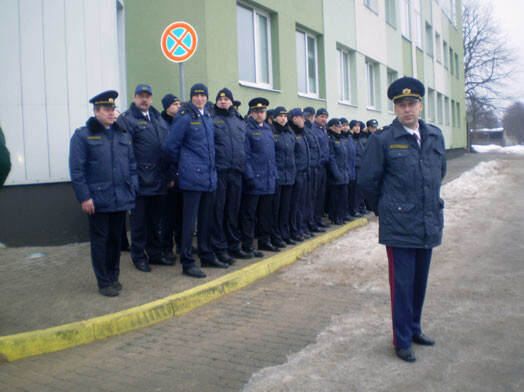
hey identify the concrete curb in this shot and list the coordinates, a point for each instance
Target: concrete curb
(27, 344)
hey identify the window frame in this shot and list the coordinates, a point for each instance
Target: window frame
(340, 76)
(315, 38)
(391, 12)
(373, 96)
(258, 68)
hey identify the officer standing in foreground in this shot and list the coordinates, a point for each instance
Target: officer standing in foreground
(190, 148)
(104, 177)
(148, 132)
(402, 169)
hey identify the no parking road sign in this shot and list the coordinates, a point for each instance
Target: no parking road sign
(179, 42)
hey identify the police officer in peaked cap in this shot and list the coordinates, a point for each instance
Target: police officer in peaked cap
(402, 170)
(104, 177)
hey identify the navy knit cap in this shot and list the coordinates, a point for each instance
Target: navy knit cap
(278, 111)
(372, 123)
(310, 111)
(352, 123)
(199, 88)
(168, 100)
(296, 112)
(225, 92)
(344, 120)
(334, 122)
(322, 111)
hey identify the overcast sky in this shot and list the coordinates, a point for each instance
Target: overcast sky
(510, 14)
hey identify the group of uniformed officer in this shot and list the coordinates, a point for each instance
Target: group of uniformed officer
(263, 177)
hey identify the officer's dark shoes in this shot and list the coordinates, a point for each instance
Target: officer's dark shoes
(161, 261)
(423, 340)
(240, 254)
(143, 266)
(117, 285)
(318, 230)
(406, 354)
(257, 253)
(297, 238)
(108, 291)
(289, 241)
(213, 263)
(267, 246)
(169, 255)
(278, 244)
(194, 272)
(358, 215)
(323, 225)
(225, 258)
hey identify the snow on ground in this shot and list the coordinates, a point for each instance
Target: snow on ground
(498, 149)
(356, 260)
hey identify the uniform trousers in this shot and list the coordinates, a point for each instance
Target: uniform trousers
(355, 196)
(408, 277)
(197, 204)
(146, 221)
(313, 184)
(105, 233)
(320, 194)
(227, 205)
(255, 212)
(337, 198)
(172, 220)
(281, 211)
(296, 217)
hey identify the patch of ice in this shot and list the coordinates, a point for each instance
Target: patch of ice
(518, 149)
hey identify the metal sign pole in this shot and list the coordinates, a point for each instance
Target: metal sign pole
(182, 82)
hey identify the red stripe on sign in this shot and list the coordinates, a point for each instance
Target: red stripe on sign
(391, 268)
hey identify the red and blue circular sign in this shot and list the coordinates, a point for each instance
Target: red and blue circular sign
(179, 42)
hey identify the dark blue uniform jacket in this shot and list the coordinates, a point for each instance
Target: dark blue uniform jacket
(230, 138)
(322, 137)
(402, 183)
(359, 144)
(347, 140)
(314, 147)
(338, 167)
(190, 148)
(147, 137)
(261, 170)
(103, 167)
(284, 154)
(301, 149)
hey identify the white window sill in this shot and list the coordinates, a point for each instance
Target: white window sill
(372, 109)
(258, 86)
(314, 97)
(346, 103)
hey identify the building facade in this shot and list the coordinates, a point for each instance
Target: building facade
(338, 54)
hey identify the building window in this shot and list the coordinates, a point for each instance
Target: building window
(254, 46)
(373, 84)
(445, 51)
(344, 75)
(372, 4)
(392, 76)
(429, 40)
(431, 105)
(440, 109)
(405, 22)
(456, 65)
(458, 115)
(446, 109)
(418, 23)
(454, 122)
(307, 63)
(391, 15)
(451, 60)
(438, 47)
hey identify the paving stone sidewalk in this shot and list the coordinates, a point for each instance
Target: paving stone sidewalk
(59, 287)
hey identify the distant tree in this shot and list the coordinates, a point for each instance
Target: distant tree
(514, 121)
(482, 116)
(489, 63)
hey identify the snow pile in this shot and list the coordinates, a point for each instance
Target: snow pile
(498, 149)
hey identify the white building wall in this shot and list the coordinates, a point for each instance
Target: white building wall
(56, 54)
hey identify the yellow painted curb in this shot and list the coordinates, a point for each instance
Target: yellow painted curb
(27, 344)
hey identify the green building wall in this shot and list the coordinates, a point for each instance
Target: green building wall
(215, 62)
